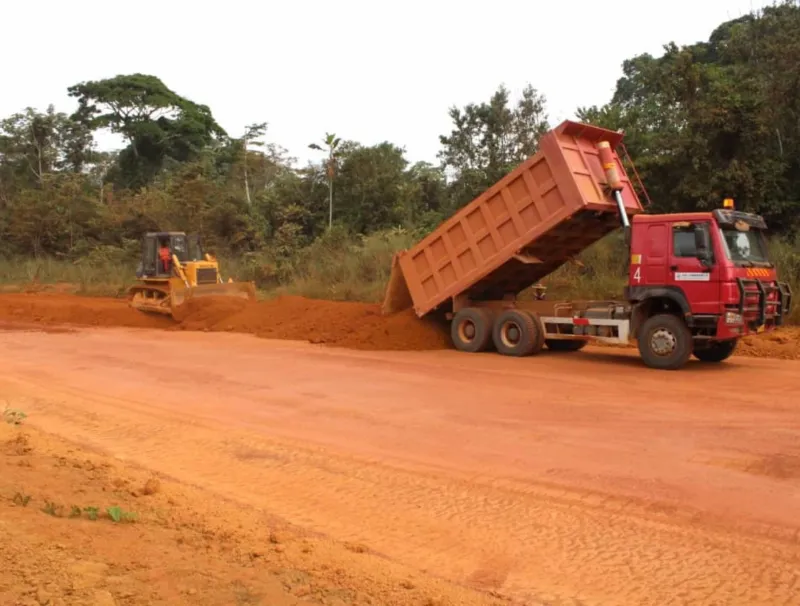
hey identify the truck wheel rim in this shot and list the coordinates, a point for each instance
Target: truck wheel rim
(466, 331)
(510, 334)
(663, 342)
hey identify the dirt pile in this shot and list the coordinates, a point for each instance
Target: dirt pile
(336, 323)
(343, 324)
(783, 344)
(65, 309)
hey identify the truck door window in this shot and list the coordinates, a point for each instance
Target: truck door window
(683, 240)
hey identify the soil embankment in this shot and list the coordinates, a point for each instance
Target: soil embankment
(337, 323)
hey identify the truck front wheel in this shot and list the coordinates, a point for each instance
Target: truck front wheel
(665, 342)
(471, 329)
(518, 333)
(716, 352)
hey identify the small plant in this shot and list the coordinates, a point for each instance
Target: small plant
(22, 499)
(13, 416)
(91, 512)
(50, 508)
(117, 514)
(75, 512)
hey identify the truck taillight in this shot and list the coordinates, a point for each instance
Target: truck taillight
(609, 165)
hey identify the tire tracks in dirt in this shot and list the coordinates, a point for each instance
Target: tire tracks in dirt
(537, 539)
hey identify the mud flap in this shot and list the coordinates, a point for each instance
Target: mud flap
(397, 297)
(180, 293)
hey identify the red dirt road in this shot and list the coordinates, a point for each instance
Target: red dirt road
(565, 479)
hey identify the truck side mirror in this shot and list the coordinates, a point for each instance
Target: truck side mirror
(702, 244)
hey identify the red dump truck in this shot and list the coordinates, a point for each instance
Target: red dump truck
(697, 282)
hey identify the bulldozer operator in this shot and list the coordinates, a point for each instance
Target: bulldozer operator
(165, 256)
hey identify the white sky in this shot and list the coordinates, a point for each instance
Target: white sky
(368, 71)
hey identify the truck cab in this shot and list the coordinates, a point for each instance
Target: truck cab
(710, 268)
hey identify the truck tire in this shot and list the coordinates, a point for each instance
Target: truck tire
(565, 344)
(518, 333)
(471, 329)
(716, 352)
(665, 342)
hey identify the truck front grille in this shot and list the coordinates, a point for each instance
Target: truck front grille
(206, 275)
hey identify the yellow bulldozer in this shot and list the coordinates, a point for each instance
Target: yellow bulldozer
(174, 269)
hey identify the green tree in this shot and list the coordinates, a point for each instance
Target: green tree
(34, 144)
(159, 125)
(718, 119)
(371, 182)
(489, 139)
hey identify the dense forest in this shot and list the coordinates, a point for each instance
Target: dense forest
(703, 122)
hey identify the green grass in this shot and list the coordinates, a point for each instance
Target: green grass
(13, 416)
(347, 268)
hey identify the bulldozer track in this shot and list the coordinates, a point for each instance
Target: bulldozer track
(133, 290)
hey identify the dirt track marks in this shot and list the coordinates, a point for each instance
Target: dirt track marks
(540, 537)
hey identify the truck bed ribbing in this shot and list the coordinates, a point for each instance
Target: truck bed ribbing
(538, 217)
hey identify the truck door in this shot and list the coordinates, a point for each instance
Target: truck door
(698, 279)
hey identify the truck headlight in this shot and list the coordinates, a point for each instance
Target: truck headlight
(731, 317)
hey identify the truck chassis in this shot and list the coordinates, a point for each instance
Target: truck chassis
(666, 339)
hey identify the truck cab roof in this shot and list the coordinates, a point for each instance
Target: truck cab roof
(723, 216)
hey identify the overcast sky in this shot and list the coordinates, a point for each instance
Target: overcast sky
(368, 71)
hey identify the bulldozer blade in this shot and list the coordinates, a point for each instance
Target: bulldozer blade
(181, 294)
(396, 298)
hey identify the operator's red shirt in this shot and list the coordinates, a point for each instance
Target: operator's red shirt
(165, 257)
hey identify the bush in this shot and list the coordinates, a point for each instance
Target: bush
(342, 266)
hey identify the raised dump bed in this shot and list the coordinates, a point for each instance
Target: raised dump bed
(697, 282)
(538, 217)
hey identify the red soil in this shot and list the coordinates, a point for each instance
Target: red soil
(343, 324)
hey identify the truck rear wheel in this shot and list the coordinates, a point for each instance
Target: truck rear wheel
(716, 352)
(471, 329)
(518, 333)
(665, 342)
(565, 344)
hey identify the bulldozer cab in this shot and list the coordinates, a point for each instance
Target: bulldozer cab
(185, 248)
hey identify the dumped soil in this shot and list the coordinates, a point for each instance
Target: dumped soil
(60, 309)
(344, 324)
(783, 344)
(336, 323)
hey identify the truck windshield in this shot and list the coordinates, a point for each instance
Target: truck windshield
(746, 247)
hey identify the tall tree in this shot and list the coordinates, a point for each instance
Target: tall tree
(158, 124)
(489, 139)
(330, 145)
(252, 135)
(371, 186)
(719, 118)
